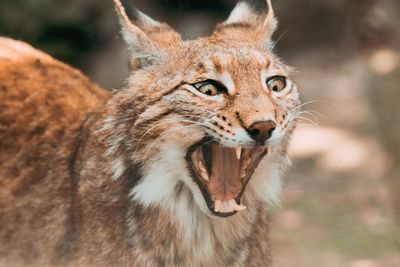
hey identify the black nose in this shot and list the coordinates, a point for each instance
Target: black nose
(261, 131)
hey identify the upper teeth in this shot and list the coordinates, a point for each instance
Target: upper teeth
(238, 151)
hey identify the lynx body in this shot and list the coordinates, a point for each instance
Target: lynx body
(175, 169)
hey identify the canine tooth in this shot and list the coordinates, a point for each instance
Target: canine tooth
(235, 206)
(238, 151)
(203, 171)
(200, 163)
(239, 207)
(204, 174)
(269, 151)
(201, 166)
(227, 206)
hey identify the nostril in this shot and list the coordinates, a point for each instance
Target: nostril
(261, 131)
(254, 132)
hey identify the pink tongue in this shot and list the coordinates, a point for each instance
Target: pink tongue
(225, 181)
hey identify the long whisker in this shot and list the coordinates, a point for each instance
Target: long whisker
(307, 112)
(194, 123)
(310, 102)
(166, 121)
(305, 124)
(316, 113)
(309, 120)
(278, 39)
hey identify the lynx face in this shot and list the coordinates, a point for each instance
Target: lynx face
(205, 113)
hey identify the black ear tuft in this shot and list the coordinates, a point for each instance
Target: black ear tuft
(260, 7)
(130, 9)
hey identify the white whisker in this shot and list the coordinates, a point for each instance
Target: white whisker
(166, 121)
(309, 120)
(310, 102)
(307, 112)
(278, 39)
(316, 113)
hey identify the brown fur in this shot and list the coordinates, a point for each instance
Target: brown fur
(93, 179)
(44, 104)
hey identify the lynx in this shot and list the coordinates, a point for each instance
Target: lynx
(177, 168)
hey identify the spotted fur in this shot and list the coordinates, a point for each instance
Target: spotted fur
(89, 178)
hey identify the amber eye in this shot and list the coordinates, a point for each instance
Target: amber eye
(209, 88)
(276, 83)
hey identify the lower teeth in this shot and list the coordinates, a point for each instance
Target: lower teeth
(227, 206)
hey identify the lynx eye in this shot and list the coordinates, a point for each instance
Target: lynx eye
(276, 83)
(210, 88)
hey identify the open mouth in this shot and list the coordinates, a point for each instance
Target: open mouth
(222, 173)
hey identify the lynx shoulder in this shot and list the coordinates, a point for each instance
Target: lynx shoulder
(177, 168)
(43, 104)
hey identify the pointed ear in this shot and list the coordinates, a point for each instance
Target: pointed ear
(148, 40)
(256, 16)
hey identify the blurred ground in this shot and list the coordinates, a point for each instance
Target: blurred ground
(341, 198)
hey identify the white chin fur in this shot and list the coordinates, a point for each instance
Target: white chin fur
(160, 178)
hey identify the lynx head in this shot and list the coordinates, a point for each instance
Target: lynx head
(209, 116)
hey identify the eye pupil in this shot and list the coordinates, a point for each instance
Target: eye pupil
(276, 83)
(209, 88)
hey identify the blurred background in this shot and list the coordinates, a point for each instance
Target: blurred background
(342, 196)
